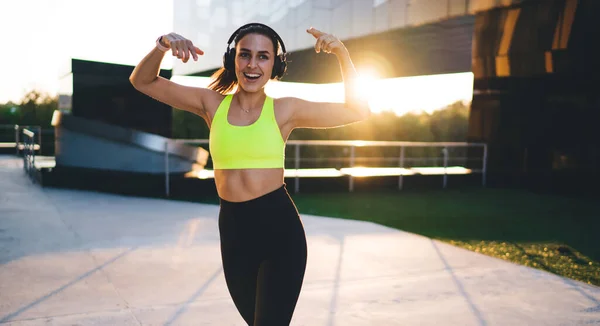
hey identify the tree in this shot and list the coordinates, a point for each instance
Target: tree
(36, 109)
(451, 123)
(10, 113)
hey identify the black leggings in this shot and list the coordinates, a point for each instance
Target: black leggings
(263, 247)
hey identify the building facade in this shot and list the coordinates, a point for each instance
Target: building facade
(210, 23)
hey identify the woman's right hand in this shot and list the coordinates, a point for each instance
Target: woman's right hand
(181, 47)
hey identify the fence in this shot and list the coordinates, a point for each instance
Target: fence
(26, 141)
(12, 136)
(394, 160)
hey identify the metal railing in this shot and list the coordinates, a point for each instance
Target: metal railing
(401, 164)
(29, 154)
(18, 143)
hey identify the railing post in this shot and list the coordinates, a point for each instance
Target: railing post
(32, 168)
(297, 167)
(167, 186)
(29, 154)
(40, 140)
(445, 151)
(351, 181)
(400, 178)
(25, 158)
(17, 139)
(484, 169)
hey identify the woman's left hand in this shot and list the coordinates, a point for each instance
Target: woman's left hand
(326, 42)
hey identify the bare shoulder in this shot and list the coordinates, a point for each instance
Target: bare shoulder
(212, 102)
(284, 109)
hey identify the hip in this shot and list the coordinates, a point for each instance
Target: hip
(272, 216)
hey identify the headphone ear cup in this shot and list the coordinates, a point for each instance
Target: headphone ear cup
(283, 66)
(276, 67)
(229, 60)
(279, 67)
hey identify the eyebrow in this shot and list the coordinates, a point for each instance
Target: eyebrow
(248, 50)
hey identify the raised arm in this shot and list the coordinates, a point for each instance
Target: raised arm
(307, 114)
(145, 76)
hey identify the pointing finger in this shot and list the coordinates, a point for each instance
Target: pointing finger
(314, 32)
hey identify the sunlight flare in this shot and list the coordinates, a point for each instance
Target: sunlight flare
(399, 95)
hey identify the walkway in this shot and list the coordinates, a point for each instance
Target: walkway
(84, 258)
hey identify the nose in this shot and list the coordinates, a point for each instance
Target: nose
(252, 62)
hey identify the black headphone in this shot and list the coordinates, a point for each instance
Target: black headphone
(280, 65)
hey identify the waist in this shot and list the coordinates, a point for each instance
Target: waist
(237, 185)
(249, 163)
(279, 192)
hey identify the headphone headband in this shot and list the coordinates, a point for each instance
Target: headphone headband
(237, 31)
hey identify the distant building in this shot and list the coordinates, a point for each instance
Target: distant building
(374, 31)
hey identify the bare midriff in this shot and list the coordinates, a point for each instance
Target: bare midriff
(238, 185)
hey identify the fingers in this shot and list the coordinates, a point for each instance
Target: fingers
(185, 55)
(324, 43)
(192, 51)
(173, 49)
(183, 48)
(193, 54)
(319, 44)
(328, 48)
(315, 32)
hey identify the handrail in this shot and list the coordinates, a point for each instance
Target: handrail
(17, 128)
(28, 133)
(353, 144)
(357, 143)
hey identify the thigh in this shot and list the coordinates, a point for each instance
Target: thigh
(279, 284)
(240, 265)
(241, 273)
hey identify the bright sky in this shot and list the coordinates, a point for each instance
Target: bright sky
(40, 36)
(123, 31)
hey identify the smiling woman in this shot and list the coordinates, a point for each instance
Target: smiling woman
(263, 244)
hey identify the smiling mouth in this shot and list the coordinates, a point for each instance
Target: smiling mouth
(252, 76)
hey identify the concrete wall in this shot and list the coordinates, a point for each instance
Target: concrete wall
(74, 149)
(90, 144)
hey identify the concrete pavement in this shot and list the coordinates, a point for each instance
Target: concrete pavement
(83, 258)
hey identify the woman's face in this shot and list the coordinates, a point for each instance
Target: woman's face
(254, 60)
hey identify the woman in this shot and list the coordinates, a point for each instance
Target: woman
(263, 244)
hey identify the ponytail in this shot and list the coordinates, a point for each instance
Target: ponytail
(223, 81)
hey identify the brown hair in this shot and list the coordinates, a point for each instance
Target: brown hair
(224, 80)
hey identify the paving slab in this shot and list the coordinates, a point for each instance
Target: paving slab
(72, 257)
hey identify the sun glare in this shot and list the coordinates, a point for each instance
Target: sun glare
(399, 95)
(367, 86)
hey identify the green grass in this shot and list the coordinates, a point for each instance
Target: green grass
(553, 233)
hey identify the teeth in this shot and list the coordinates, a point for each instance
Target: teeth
(252, 75)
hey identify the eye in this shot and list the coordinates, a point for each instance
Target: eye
(264, 57)
(244, 54)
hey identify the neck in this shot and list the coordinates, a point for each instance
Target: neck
(250, 101)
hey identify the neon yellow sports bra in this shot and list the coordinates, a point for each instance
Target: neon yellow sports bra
(255, 146)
